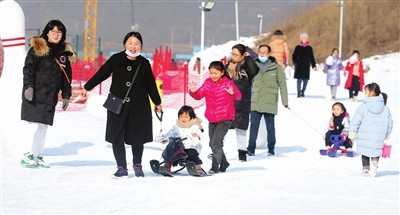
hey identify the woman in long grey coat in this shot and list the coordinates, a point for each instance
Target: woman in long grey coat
(133, 126)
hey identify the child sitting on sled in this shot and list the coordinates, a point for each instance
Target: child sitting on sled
(338, 125)
(188, 128)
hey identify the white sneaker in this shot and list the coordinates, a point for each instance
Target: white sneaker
(40, 162)
(28, 161)
(374, 167)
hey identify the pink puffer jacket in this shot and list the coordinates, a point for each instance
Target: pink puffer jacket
(219, 103)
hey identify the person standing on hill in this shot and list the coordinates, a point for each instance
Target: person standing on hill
(371, 124)
(134, 125)
(333, 66)
(220, 93)
(355, 79)
(242, 69)
(303, 58)
(47, 71)
(280, 49)
(197, 66)
(268, 84)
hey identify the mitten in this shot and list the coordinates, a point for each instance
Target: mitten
(198, 147)
(65, 103)
(28, 94)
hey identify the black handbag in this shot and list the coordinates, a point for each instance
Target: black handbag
(114, 103)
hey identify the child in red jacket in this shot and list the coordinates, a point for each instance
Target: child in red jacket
(220, 93)
(355, 80)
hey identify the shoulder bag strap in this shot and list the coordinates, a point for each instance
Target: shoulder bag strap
(65, 74)
(133, 79)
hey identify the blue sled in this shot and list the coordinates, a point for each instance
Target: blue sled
(334, 153)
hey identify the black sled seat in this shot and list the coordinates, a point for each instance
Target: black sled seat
(174, 155)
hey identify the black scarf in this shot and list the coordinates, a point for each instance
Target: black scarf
(55, 49)
(338, 123)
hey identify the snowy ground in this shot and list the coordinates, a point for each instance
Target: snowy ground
(296, 180)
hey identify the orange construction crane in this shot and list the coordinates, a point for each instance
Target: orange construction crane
(89, 49)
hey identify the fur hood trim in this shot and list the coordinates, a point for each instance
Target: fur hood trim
(41, 49)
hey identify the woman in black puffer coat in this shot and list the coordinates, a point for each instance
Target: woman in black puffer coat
(47, 70)
(242, 70)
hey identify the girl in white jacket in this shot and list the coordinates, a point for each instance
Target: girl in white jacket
(187, 127)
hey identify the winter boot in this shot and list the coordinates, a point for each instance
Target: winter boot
(365, 171)
(28, 161)
(40, 162)
(121, 172)
(242, 155)
(224, 165)
(214, 169)
(298, 94)
(271, 153)
(302, 93)
(200, 170)
(374, 167)
(138, 170)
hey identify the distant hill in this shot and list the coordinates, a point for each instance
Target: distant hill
(372, 27)
(173, 23)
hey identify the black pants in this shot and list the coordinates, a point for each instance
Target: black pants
(193, 156)
(355, 87)
(365, 161)
(347, 143)
(120, 153)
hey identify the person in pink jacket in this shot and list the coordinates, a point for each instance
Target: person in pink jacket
(220, 93)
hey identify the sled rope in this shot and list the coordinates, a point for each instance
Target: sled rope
(301, 118)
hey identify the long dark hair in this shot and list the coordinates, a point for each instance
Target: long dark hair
(374, 87)
(50, 25)
(341, 106)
